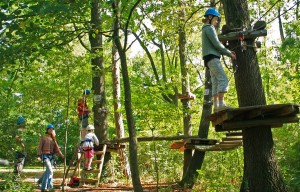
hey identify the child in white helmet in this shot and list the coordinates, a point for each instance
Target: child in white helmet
(88, 146)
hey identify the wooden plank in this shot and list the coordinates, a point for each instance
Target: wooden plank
(156, 138)
(287, 110)
(239, 133)
(202, 141)
(250, 112)
(232, 141)
(177, 145)
(91, 171)
(232, 138)
(96, 162)
(259, 122)
(225, 145)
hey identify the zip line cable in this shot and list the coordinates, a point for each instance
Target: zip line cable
(268, 10)
(284, 12)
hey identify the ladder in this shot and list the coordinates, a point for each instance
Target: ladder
(78, 158)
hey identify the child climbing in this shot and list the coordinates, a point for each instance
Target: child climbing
(212, 49)
(46, 150)
(20, 148)
(88, 146)
(83, 113)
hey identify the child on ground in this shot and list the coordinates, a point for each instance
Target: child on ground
(47, 148)
(88, 146)
(212, 49)
(20, 148)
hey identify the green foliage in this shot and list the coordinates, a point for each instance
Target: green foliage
(42, 60)
(12, 183)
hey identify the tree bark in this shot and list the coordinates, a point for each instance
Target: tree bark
(117, 110)
(280, 25)
(133, 160)
(261, 172)
(98, 78)
(185, 87)
(197, 160)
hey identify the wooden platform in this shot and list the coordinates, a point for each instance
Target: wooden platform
(231, 141)
(254, 116)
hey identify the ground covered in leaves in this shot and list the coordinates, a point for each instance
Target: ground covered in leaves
(27, 181)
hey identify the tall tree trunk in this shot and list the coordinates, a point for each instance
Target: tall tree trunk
(197, 160)
(280, 26)
(133, 160)
(184, 85)
(198, 156)
(260, 167)
(117, 109)
(98, 80)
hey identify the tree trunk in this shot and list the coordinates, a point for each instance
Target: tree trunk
(117, 109)
(133, 160)
(198, 157)
(280, 26)
(184, 85)
(260, 167)
(197, 160)
(98, 81)
(98, 78)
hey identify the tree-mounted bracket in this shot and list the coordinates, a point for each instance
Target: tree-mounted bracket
(234, 36)
(241, 35)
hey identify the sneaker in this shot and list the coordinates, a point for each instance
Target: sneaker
(90, 169)
(223, 107)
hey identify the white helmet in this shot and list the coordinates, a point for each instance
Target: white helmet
(90, 127)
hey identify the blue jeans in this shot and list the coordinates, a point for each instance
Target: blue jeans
(47, 177)
(219, 79)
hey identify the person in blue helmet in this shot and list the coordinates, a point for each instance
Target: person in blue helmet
(83, 112)
(20, 145)
(46, 150)
(212, 49)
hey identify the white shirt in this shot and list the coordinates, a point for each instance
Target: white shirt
(89, 140)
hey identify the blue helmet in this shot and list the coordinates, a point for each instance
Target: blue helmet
(212, 11)
(86, 92)
(50, 126)
(21, 120)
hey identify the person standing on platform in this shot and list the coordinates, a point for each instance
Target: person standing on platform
(212, 49)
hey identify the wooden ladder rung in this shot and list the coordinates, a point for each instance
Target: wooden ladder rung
(91, 171)
(88, 180)
(96, 162)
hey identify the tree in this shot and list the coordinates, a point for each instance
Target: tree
(129, 116)
(261, 172)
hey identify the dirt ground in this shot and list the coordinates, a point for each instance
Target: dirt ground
(32, 175)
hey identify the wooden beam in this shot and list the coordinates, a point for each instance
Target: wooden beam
(238, 125)
(247, 35)
(232, 138)
(287, 110)
(234, 134)
(157, 138)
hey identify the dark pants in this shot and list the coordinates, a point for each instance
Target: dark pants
(19, 162)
